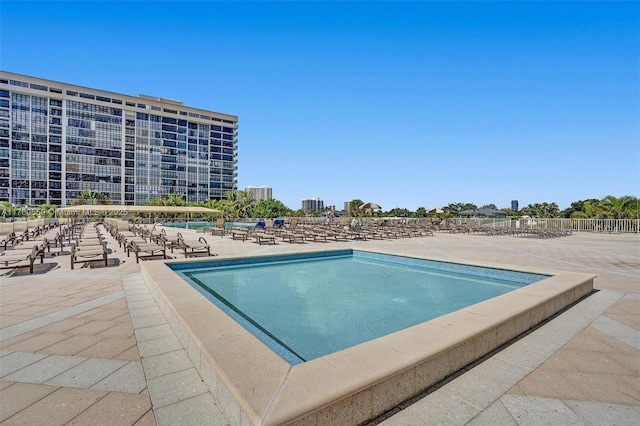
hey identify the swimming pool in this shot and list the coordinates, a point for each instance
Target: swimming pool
(330, 301)
(254, 385)
(200, 225)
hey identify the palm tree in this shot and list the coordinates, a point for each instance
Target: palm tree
(156, 201)
(230, 205)
(616, 207)
(244, 203)
(91, 196)
(174, 200)
(354, 207)
(588, 211)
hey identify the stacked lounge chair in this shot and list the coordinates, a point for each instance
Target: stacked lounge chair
(89, 246)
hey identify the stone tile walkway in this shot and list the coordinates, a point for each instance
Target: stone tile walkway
(90, 345)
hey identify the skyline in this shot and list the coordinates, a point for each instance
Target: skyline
(403, 104)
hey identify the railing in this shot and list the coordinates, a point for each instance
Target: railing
(581, 225)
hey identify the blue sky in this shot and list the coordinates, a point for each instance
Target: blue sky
(416, 104)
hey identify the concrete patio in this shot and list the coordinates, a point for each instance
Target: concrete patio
(90, 345)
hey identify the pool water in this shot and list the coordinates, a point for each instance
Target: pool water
(200, 225)
(189, 225)
(308, 306)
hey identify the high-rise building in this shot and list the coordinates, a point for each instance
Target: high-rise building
(514, 205)
(58, 139)
(259, 193)
(314, 205)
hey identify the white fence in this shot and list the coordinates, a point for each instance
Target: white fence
(583, 225)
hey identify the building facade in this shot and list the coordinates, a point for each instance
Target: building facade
(260, 193)
(58, 139)
(312, 205)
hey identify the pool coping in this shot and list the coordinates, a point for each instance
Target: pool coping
(254, 386)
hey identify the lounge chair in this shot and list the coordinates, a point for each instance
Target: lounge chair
(148, 233)
(191, 248)
(21, 258)
(317, 235)
(218, 229)
(20, 229)
(151, 249)
(265, 238)
(293, 237)
(7, 236)
(240, 234)
(82, 253)
(338, 236)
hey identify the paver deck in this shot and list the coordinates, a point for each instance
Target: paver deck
(90, 345)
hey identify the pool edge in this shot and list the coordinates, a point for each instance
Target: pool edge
(254, 386)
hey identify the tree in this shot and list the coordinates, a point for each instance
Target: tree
(546, 210)
(577, 207)
(174, 200)
(400, 212)
(270, 209)
(91, 196)
(618, 208)
(8, 210)
(354, 207)
(421, 212)
(633, 207)
(157, 201)
(229, 205)
(244, 203)
(587, 211)
(489, 206)
(454, 209)
(169, 200)
(297, 213)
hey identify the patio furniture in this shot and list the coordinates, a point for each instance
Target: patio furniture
(218, 229)
(240, 234)
(82, 253)
(144, 250)
(293, 237)
(21, 258)
(265, 238)
(191, 248)
(167, 241)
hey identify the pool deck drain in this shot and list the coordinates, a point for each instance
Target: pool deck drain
(112, 355)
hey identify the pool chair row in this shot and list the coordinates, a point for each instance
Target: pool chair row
(19, 252)
(324, 233)
(89, 245)
(13, 232)
(142, 241)
(190, 246)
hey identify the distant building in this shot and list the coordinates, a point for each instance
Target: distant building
(312, 205)
(58, 139)
(514, 205)
(260, 193)
(346, 205)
